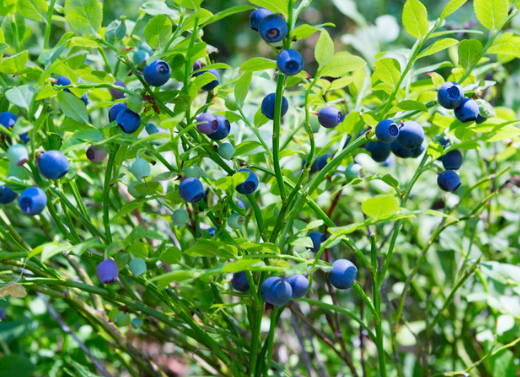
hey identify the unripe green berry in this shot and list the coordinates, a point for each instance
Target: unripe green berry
(137, 322)
(140, 168)
(137, 266)
(179, 217)
(226, 151)
(236, 221)
(17, 154)
(193, 171)
(123, 319)
(353, 171)
(231, 103)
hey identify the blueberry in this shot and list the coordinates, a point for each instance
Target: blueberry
(140, 56)
(207, 123)
(128, 120)
(273, 28)
(444, 141)
(480, 119)
(140, 168)
(299, 284)
(151, 129)
(96, 153)
(353, 171)
(24, 137)
(258, 15)
(411, 134)
(330, 117)
(115, 109)
(250, 185)
(133, 191)
(32, 201)
(317, 238)
(322, 161)
(179, 217)
(448, 181)
(212, 231)
(450, 95)
(241, 204)
(290, 62)
(193, 171)
(117, 94)
(2, 314)
(268, 104)
(157, 73)
(387, 131)
(226, 151)
(146, 47)
(213, 84)
(276, 291)
(197, 65)
(191, 190)
(416, 152)
(17, 154)
(7, 119)
(53, 164)
(399, 150)
(239, 282)
(107, 271)
(452, 160)
(378, 150)
(223, 128)
(236, 221)
(343, 274)
(468, 110)
(63, 81)
(7, 195)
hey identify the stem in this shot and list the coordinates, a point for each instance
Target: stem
(376, 295)
(48, 25)
(106, 194)
(276, 137)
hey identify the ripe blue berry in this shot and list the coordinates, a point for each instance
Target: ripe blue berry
(193, 171)
(24, 137)
(179, 217)
(207, 123)
(268, 104)
(7, 195)
(322, 161)
(133, 191)
(7, 119)
(452, 160)
(223, 128)
(411, 134)
(353, 171)
(273, 28)
(115, 109)
(53, 164)
(250, 185)
(117, 94)
(399, 150)
(317, 238)
(140, 56)
(276, 291)
(236, 221)
(213, 84)
(448, 181)
(241, 204)
(157, 73)
(17, 154)
(226, 151)
(343, 274)
(107, 271)
(290, 62)
(416, 152)
(191, 190)
(212, 231)
(140, 168)
(2, 314)
(450, 95)
(480, 119)
(258, 15)
(62, 80)
(330, 117)
(467, 111)
(128, 120)
(387, 131)
(378, 150)
(444, 141)
(32, 201)
(96, 153)
(151, 129)
(299, 284)
(239, 282)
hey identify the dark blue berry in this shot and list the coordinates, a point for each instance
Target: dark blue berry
(323, 160)
(117, 94)
(7, 195)
(411, 134)
(416, 152)
(378, 150)
(128, 120)
(450, 95)
(290, 62)
(2, 314)
(467, 111)
(249, 185)
(448, 181)
(107, 271)
(53, 164)
(276, 291)
(268, 105)
(299, 284)
(239, 282)
(330, 117)
(399, 150)
(191, 190)
(7, 119)
(32, 201)
(480, 119)
(343, 274)
(444, 141)
(273, 28)
(24, 137)
(387, 131)
(223, 128)
(207, 123)
(211, 231)
(115, 109)
(317, 238)
(63, 81)
(157, 73)
(452, 160)
(258, 15)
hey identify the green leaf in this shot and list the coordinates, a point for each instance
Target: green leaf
(380, 207)
(275, 6)
(16, 366)
(257, 64)
(171, 255)
(7, 7)
(158, 31)
(415, 19)
(20, 96)
(469, 52)
(506, 44)
(242, 88)
(242, 264)
(491, 13)
(437, 79)
(14, 63)
(305, 30)
(324, 50)
(155, 8)
(451, 7)
(246, 146)
(84, 16)
(341, 64)
(439, 45)
(388, 70)
(35, 10)
(91, 134)
(303, 241)
(73, 107)
(410, 105)
(48, 250)
(228, 12)
(178, 276)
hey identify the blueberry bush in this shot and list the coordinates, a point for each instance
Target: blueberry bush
(329, 206)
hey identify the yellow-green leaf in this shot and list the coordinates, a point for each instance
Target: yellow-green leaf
(388, 70)
(380, 207)
(415, 19)
(491, 13)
